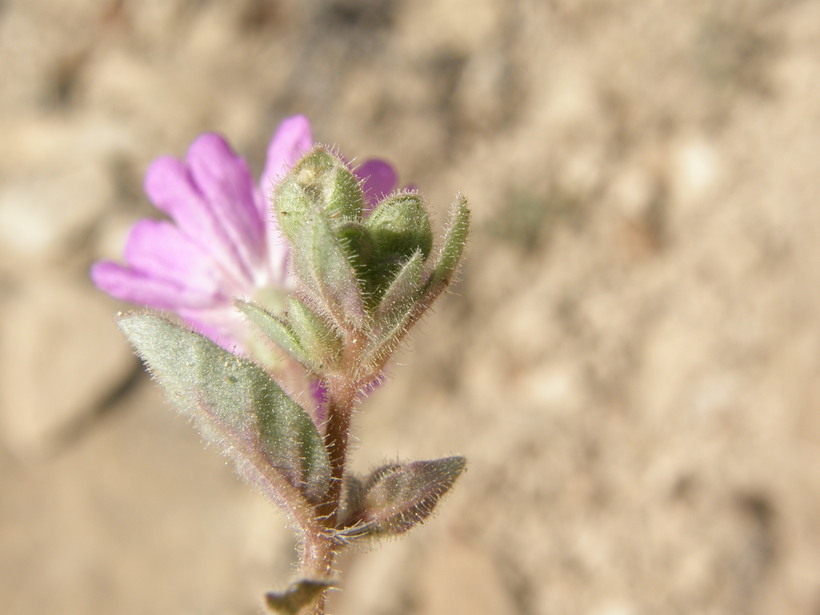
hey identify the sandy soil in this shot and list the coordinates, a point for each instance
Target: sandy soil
(629, 360)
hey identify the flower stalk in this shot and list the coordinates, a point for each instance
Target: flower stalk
(360, 269)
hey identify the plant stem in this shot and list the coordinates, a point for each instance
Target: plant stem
(319, 548)
(318, 555)
(341, 396)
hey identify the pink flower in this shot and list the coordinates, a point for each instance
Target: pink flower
(222, 241)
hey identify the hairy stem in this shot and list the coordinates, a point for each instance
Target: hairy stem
(319, 549)
(318, 555)
(341, 396)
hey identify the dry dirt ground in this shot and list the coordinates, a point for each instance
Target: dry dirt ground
(629, 360)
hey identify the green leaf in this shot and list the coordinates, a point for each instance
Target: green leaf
(403, 291)
(357, 244)
(398, 497)
(324, 267)
(395, 313)
(296, 597)
(453, 247)
(235, 404)
(320, 340)
(277, 330)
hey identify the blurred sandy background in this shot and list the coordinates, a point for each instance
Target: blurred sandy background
(629, 361)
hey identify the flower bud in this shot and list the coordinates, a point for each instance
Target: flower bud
(399, 227)
(319, 181)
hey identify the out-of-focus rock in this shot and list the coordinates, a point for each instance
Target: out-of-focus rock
(694, 170)
(60, 356)
(463, 580)
(43, 215)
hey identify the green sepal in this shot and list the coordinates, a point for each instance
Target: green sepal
(452, 249)
(319, 339)
(277, 330)
(236, 405)
(320, 180)
(299, 595)
(398, 497)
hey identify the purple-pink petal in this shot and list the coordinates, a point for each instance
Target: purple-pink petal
(292, 140)
(378, 180)
(142, 288)
(158, 248)
(224, 180)
(170, 186)
(221, 324)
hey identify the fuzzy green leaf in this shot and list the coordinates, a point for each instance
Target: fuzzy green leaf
(277, 330)
(396, 312)
(296, 597)
(405, 288)
(328, 274)
(357, 244)
(235, 404)
(398, 497)
(452, 248)
(318, 337)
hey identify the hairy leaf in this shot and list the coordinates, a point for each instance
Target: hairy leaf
(320, 340)
(398, 497)
(277, 330)
(328, 274)
(403, 290)
(452, 248)
(235, 404)
(350, 501)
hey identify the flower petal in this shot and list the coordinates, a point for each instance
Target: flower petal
(172, 189)
(279, 270)
(158, 248)
(143, 288)
(378, 180)
(291, 141)
(221, 324)
(224, 180)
